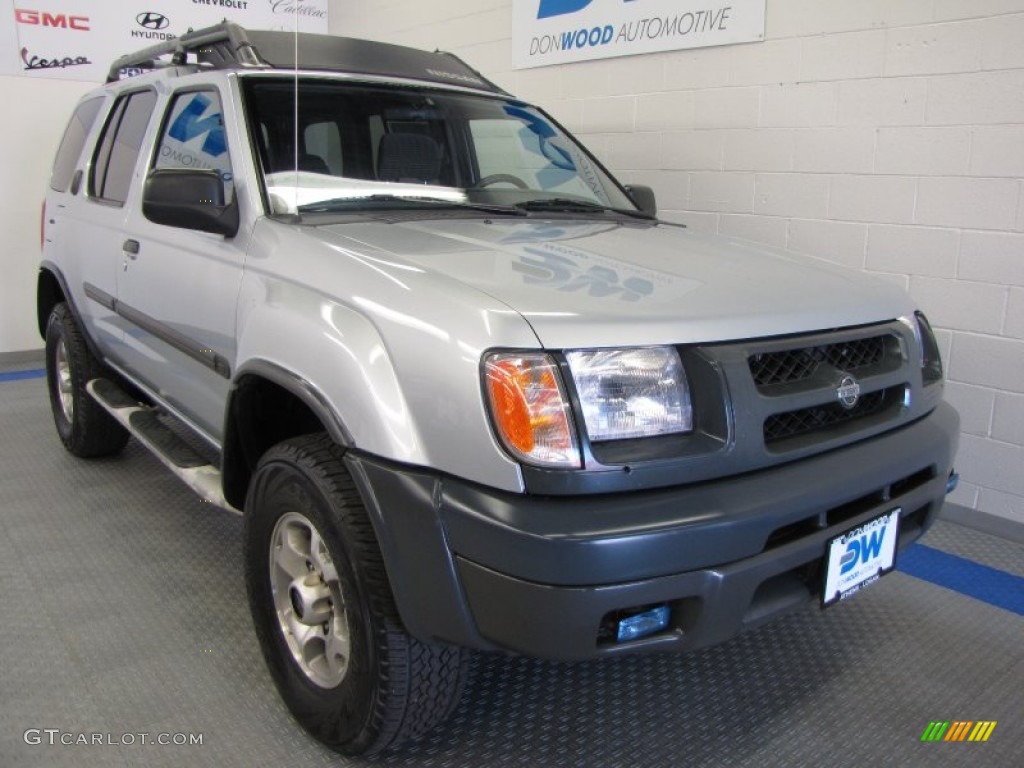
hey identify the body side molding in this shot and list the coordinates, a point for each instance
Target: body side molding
(184, 344)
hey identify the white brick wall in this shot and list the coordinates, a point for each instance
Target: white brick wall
(922, 151)
(837, 241)
(885, 135)
(882, 101)
(725, 108)
(913, 250)
(835, 150)
(791, 194)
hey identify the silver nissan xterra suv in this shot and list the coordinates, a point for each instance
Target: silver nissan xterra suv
(467, 390)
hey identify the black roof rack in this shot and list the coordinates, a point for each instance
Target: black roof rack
(227, 42)
(229, 46)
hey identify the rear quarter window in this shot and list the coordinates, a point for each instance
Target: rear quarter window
(71, 145)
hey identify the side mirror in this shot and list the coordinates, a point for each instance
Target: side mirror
(644, 198)
(190, 199)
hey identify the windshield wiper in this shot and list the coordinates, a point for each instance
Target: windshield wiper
(344, 203)
(570, 205)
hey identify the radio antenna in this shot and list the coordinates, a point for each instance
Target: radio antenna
(295, 137)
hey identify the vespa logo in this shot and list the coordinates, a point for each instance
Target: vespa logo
(848, 392)
(54, 20)
(151, 20)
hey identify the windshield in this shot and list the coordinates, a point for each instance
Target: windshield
(361, 147)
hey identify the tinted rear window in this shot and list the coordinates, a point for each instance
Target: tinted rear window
(72, 143)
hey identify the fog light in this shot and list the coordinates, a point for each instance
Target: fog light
(643, 624)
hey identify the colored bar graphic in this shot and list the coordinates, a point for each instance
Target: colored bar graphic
(982, 730)
(935, 730)
(958, 730)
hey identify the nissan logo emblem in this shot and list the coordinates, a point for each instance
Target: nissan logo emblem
(151, 20)
(848, 392)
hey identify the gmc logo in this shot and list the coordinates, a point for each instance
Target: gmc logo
(44, 19)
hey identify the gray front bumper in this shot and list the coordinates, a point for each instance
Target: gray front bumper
(537, 575)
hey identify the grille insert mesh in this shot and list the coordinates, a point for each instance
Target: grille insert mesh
(783, 426)
(793, 365)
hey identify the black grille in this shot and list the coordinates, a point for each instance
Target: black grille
(792, 365)
(783, 426)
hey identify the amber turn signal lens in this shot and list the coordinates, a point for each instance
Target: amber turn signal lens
(511, 411)
(529, 407)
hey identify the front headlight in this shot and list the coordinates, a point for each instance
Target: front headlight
(629, 393)
(931, 360)
(927, 347)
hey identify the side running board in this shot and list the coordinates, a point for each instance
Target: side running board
(142, 422)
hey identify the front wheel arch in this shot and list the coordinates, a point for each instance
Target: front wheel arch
(268, 405)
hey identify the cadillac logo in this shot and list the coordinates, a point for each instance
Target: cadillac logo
(150, 20)
(848, 391)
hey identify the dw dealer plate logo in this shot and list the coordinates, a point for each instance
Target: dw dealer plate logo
(858, 558)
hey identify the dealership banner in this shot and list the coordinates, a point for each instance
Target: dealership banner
(79, 39)
(560, 31)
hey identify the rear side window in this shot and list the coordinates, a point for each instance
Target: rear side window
(119, 146)
(72, 143)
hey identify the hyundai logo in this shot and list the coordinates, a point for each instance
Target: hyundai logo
(848, 392)
(151, 20)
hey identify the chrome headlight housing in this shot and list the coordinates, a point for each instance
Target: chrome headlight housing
(631, 393)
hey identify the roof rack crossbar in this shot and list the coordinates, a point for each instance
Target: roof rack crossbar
(227, 40)
(228, 46)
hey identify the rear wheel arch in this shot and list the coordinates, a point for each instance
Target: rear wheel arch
(84, 427)
(50, 291)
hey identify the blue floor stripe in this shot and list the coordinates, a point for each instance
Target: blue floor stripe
(36, 373)
(990, 585)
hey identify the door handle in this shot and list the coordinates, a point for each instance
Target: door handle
(131, 248)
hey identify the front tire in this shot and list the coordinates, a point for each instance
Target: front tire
(84, 427)
(323, 610)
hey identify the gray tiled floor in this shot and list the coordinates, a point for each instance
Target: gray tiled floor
(124, 610)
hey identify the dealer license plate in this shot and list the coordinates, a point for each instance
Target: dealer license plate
(860, 557)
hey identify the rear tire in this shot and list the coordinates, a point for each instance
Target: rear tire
(84, 427)
(324, 613)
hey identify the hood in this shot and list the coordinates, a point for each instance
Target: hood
(586, 283)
